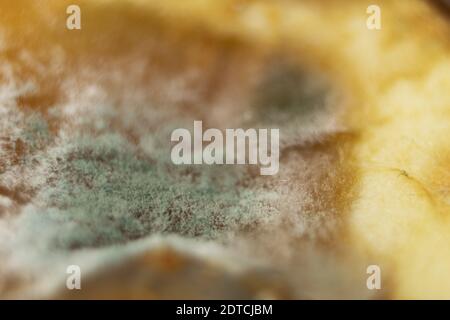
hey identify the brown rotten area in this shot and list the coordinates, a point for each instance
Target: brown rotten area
(164, 273)
(86, 117)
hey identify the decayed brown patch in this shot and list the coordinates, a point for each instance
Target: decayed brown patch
(166, 273)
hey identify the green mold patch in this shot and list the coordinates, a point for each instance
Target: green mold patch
(101, 192)
(36, 132)
(288, 93)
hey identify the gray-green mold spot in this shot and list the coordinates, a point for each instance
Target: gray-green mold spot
(103, 193)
